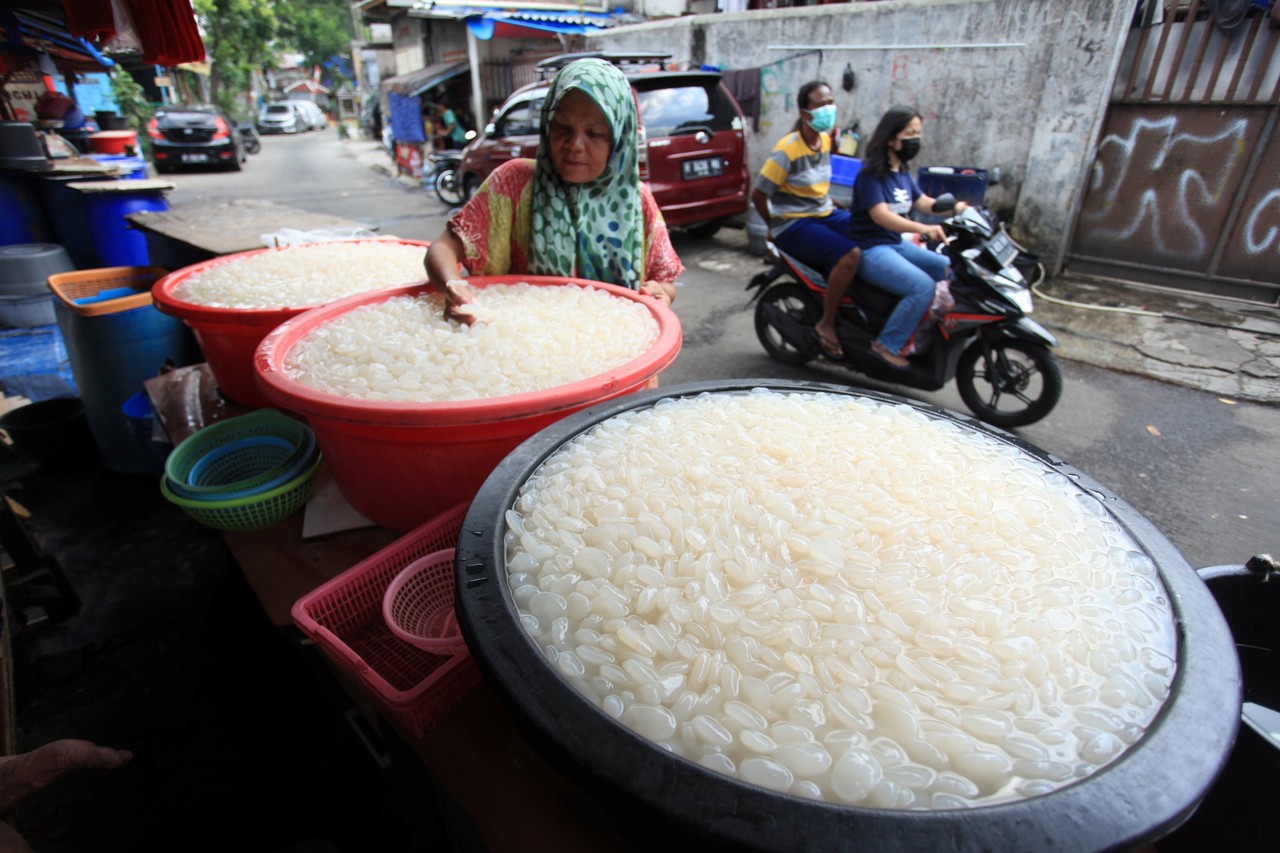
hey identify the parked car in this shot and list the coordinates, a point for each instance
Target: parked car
(693, 147)
(312, 116)
(291, 117)
(194, 136)
(280, 118)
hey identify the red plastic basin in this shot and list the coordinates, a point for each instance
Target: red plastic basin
(112, 141)
(401, 464)
(229, 336)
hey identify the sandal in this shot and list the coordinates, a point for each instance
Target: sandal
(830, 346)
(894, 360)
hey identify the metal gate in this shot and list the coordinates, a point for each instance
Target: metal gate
(501, 77)
(1185, 186)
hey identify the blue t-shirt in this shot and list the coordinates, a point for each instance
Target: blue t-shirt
(897, 189)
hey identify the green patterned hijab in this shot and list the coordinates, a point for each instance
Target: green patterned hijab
(595, 229)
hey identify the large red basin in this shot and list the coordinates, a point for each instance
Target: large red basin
(401, 464)
(228, 337)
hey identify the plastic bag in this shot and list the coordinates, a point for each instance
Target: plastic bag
(126, 38)
(295, 237)
(943, 302)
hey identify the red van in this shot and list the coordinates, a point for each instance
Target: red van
(693, 148)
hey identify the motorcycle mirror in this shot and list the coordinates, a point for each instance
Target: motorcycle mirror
(944, 202)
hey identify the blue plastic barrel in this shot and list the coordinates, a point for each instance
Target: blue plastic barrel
(117, 244)
(21, 217)
(64, 208)
(111, 355)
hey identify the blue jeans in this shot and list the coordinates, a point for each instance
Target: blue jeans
(907, 271)
(818, 241)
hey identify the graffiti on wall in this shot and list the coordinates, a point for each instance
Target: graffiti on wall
(1262, 228)
(1168, 184)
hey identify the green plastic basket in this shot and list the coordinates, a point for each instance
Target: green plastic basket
(244, 472)
(255, 512)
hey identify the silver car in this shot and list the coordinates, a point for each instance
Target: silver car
(281, 117)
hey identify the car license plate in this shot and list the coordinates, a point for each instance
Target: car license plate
(195, 158)
(707, 167)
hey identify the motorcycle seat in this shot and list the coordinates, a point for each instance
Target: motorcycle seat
(878, 304)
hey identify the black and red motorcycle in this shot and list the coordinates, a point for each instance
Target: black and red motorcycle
(999, 357)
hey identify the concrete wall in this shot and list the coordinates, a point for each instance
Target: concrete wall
(1018, 85)
(406, 43)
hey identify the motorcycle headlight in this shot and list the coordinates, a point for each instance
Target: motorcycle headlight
(1019, 296)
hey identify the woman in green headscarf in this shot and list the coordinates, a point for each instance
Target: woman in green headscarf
(578, 210)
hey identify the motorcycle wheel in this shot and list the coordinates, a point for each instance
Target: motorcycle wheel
(449, 188)
(794, 301)
(1010, 383)
(252, 146)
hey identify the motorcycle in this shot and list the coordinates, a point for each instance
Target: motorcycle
(999, 357)
(249, 137)
(445, 176)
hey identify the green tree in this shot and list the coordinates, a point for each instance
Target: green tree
(318, 29)
(239, 36)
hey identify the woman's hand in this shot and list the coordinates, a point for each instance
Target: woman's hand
(961, 206)
(934, 233)
(662, 291)
(458, 296)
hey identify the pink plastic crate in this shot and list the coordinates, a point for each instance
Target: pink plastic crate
(344, 618)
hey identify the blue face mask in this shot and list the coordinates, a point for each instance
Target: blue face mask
(822, 119)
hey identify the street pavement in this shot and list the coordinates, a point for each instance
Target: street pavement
(1225, 347)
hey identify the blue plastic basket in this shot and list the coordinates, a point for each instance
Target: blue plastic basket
(240, 456)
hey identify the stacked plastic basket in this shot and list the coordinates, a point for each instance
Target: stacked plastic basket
(244, 473)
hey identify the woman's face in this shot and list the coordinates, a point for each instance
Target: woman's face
(580, 138)
(911, 131)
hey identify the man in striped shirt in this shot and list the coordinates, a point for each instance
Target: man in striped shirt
(792, 196)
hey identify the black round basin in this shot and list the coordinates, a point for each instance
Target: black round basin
(1141, 796)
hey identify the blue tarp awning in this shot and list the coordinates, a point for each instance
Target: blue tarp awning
(24, 34)
(485, 26)
(406, 118)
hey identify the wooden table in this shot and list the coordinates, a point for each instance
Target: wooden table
(187, 234)
(148, 185)
(515, 799)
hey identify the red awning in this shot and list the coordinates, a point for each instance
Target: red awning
(166, 29)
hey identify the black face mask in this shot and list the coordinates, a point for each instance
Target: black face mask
(910, 148)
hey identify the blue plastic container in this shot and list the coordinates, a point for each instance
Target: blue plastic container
(132, 168)
(116, 243)
(141, 421)
(21, 217)
(844, 170)
(64, 208)
(112, 354)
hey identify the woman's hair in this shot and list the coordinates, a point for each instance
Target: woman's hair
(875, 156)
(802, 98)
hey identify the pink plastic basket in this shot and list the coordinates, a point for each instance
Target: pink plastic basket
(418, 605)
(344, 618)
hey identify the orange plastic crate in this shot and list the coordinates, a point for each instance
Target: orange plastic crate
(344, 618)
(70, 286)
